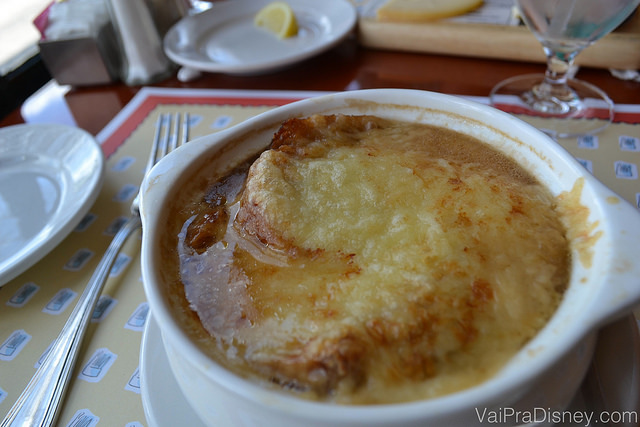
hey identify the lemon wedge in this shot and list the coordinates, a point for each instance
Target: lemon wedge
(278, 18)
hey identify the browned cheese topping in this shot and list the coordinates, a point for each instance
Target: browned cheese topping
(365, 260)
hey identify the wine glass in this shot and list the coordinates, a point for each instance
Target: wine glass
(564, 28)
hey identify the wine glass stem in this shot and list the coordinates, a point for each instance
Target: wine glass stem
(555, 85)
(558, 65)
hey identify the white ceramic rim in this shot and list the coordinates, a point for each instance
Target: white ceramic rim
(601, 304)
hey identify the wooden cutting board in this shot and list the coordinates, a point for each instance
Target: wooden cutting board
(618, 50)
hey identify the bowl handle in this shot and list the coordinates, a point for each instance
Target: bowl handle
(620, 292)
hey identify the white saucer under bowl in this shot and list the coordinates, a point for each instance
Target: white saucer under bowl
(163, 401)
(612, 384)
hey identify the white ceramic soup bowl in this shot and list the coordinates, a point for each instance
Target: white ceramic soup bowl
(544, 375)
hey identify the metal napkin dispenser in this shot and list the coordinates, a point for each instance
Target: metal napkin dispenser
(78, 43)
(83, 61)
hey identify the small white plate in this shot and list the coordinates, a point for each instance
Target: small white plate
(162, 400)
(50, 175)
(225, 39)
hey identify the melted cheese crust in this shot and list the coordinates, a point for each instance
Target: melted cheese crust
(371, 261)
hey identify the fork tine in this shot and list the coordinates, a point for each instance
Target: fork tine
(173, 143)
(185, 128)
(153, 154)
(164, 142)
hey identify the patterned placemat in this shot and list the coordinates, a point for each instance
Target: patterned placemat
(35, 305)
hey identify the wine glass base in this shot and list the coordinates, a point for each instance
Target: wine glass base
(586, 110)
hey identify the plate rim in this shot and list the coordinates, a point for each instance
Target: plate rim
(265, 66)
(87, 196)
(152, 353)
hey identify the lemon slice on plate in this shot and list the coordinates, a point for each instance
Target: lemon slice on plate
(278, 18)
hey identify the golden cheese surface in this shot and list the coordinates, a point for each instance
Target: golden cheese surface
(365, 260)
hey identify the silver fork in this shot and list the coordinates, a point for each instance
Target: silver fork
(40, 402)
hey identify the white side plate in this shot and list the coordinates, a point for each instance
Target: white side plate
(224, 38)
(50, 175)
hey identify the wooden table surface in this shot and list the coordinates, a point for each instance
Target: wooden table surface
(348, 66)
